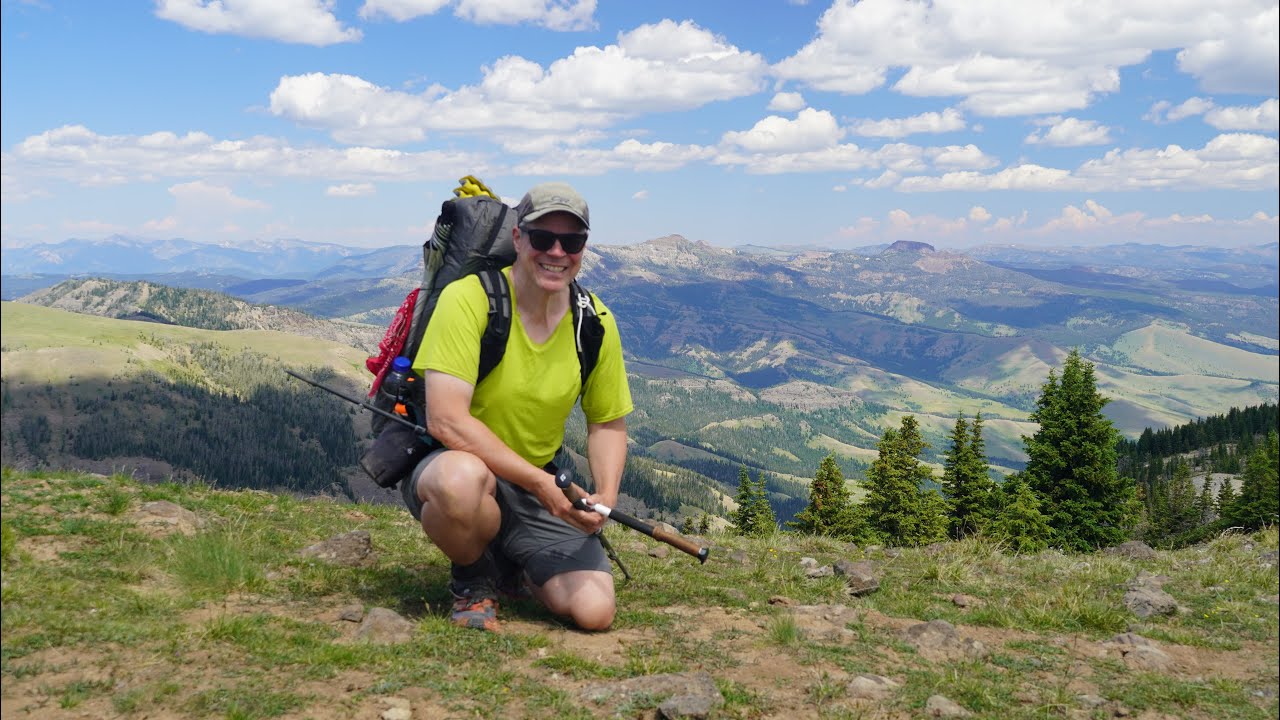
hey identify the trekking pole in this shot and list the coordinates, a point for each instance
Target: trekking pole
(579, 499)
(364, 404)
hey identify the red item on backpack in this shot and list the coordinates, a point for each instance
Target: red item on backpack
(392, 342)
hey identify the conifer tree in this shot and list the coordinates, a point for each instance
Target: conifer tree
(1204, 502)
(1226, 497)
(1180, 513)
(965, 480)
(1259, 500)
(897, 508)
(1019, 522)
(828, 501)
(763, 519)
(1072, 462)
(745, 516)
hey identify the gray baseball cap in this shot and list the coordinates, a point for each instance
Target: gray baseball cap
(552, 197)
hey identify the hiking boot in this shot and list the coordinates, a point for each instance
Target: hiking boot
(475, 606)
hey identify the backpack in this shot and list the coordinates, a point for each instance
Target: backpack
(472, 236)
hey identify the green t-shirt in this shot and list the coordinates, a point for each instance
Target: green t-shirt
(527, 398)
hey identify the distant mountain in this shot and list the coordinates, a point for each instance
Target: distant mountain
(119, 254)
(140, 300)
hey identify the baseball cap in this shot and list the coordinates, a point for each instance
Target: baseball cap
(552, 197)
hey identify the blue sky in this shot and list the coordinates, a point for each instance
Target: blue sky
(772, 122)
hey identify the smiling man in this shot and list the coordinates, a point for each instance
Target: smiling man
(488, 499)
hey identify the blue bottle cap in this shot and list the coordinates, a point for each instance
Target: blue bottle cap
(401, 364)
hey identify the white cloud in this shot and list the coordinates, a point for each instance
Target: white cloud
(654, 68)
(629, 154)
(811, 130)
(1189, 108)
(839, 188)
(163, 225)
(786, 102)
(1022, 177)
(551, 14)
(979, 214)
(309, 22)
(949, 120)
(1007, 57)
(640, 195)
(350, 190)
(1069, 132)
(400, 10)
(1263, 118)
(961, 157)
(209, 197)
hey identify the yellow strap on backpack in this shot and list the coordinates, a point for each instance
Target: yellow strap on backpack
(472, 186)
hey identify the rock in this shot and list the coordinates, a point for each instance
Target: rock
(871, 687)
(824, 622)
(162, 517)
(939, 640)
(659, 551)
(1271, 558)
(683, 688)
(808, 563)
(636, 547)
(737, 556)
(668, 527)
(1134, 550)
(782, 600)
(1145, 601)
(940, 706)
(1138, 652)
(352, 549)
(1091, 701)
(698, 707)
(352, 613)
(384, 627)
(819, 572)
(860, 577)
(399, 709)
(961, 600)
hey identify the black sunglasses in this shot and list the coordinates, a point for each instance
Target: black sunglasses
(544, 240)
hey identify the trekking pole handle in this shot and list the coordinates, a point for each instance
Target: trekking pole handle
(579, 499)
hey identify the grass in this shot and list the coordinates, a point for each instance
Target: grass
(104, 619)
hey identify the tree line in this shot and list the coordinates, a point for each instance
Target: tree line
(1072, 493)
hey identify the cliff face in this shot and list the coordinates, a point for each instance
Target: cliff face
(909, 246)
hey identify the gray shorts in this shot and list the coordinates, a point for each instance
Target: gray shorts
(530, 537)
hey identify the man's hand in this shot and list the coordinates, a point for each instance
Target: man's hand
(554, 499)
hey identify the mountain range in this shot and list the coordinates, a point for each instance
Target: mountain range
(773, 357)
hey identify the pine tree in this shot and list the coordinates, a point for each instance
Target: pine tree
(763, 520)
(1259, 501)
(1226, 497)
(1019, 522)
(1204, 502)
(897, 509)
(965, 480)
(1072, 462)
(1180, 511)
(744, 517)
(829, 502)
(704, 524)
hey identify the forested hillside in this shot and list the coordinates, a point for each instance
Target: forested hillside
(205, 309)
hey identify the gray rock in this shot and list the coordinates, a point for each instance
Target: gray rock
(940, 706)
(782, 600)
(1134, 550)
(961, 600)
(668, 527)
(352, 549)
(352, 613)
(819, 572)
(399, 709)
(825, 622)
(939, 640)
(697, 707)
(1138, 652)
(1271, 557)
(1092, 701)
(659, 551)
(1145, 601)
(686, 686)
(384, 627)
(737, 556)
(871, 687)
(860, 577)
(636, 547)
(808, 563)
(162, 517)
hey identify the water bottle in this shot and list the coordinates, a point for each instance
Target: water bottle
(396, 382)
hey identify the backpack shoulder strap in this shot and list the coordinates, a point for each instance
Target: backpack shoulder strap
(493, 343)
(588, 330)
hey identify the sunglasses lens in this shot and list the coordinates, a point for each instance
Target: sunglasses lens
(544, 240)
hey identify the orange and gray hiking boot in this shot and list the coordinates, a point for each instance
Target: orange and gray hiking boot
(474, 606)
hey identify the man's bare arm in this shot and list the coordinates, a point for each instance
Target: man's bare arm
(607, 454)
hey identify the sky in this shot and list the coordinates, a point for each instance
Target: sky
(771, 122)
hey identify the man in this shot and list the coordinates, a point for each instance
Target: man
(488, 500)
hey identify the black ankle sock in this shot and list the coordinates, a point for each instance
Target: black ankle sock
(483, 569)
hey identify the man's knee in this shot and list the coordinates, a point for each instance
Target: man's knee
(456, 482)
(594, 614)
(585, 597)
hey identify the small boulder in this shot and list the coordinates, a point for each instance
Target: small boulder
(1133, 549)
(351, 549)
(161, 517)
(352, 613)
(1146, 600)
(384, 627)
(808, 563)
(961, 600)
(860, 577)
(871, 687)
(939, 640)
(819, 572)
(940, 706)
(659, 551)
(685, 689)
